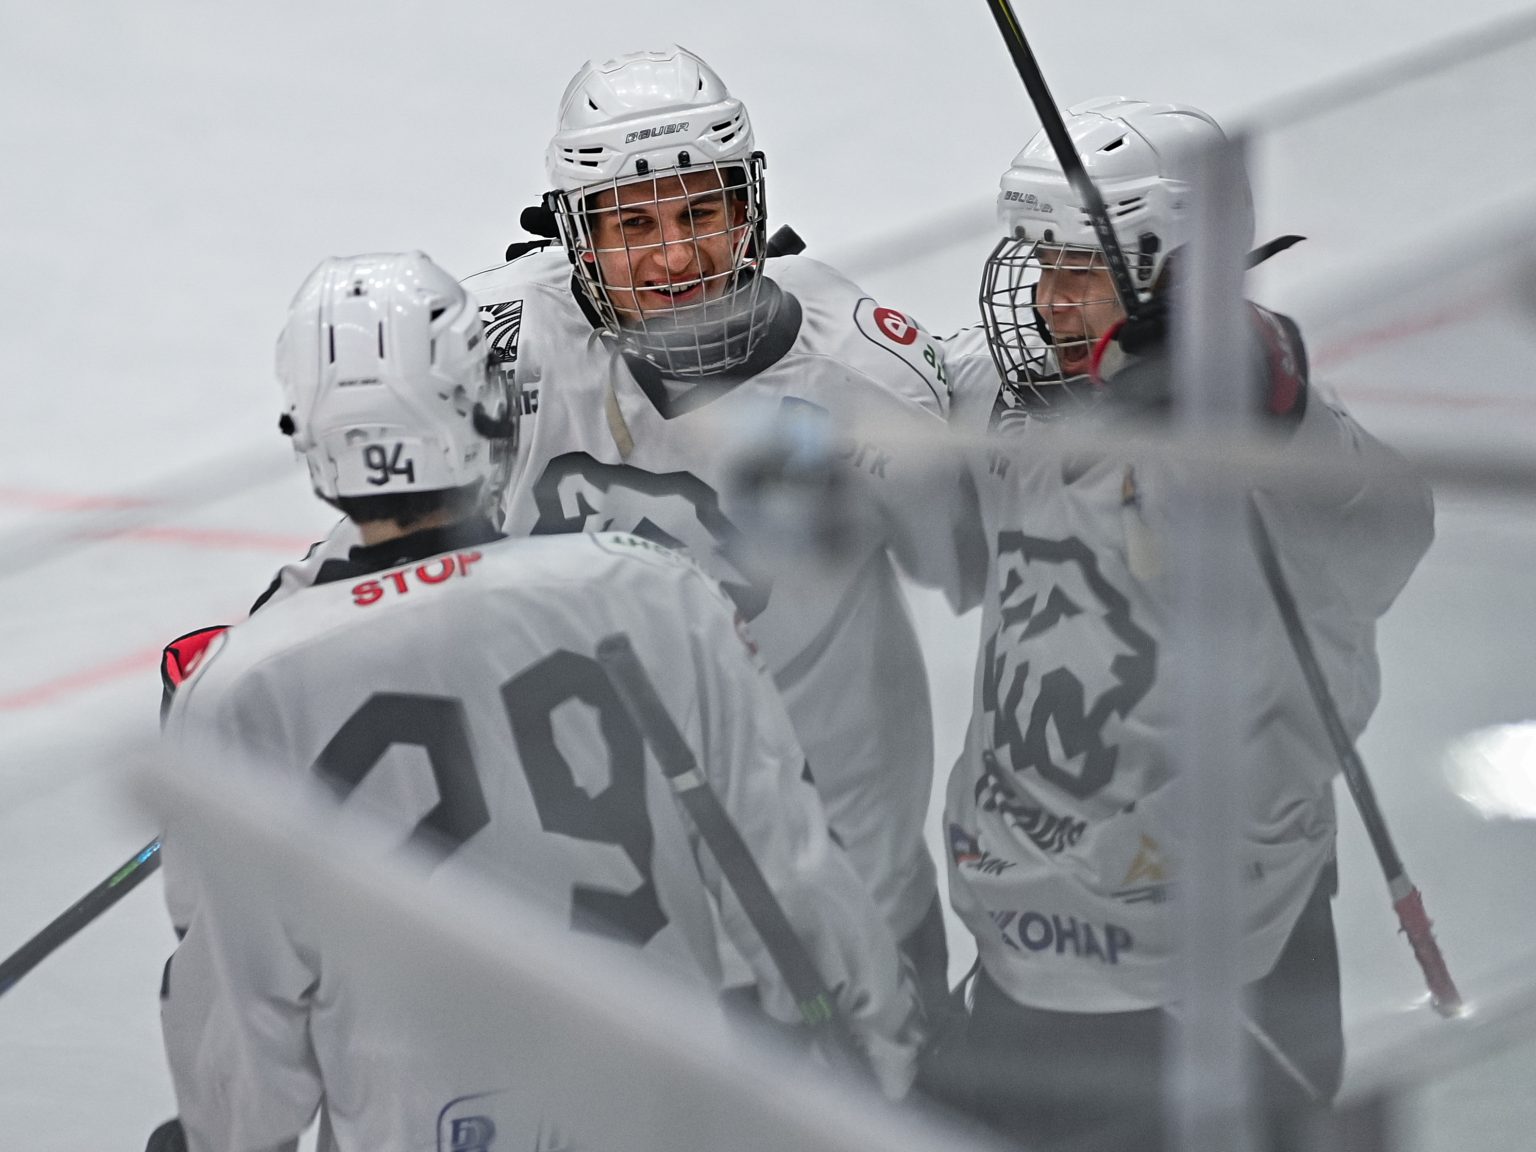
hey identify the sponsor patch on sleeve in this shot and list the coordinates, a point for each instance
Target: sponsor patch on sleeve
(904, 338)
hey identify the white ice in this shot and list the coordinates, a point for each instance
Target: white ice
(171, 170)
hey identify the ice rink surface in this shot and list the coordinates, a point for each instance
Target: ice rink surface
(172, 170)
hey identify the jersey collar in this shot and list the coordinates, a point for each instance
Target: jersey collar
(366, 558)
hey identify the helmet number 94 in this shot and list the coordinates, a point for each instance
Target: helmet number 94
(384, 463)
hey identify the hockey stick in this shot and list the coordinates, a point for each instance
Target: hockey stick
(135, 870)
(815, 1001)
(1066, 152)
(1406, 899)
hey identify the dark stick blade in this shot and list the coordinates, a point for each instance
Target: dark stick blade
(134, 871)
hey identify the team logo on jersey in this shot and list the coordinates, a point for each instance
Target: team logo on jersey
(967, 853)
(1066, 660)
(503, 325)
(576, 493)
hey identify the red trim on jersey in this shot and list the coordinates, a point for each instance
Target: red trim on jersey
(1286, 383)
(183, 654)
(1100, 346)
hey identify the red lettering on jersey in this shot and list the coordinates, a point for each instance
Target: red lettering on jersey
(424, 573)
(432, 572)
(896, 327)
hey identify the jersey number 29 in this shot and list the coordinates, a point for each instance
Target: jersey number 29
(439, 726)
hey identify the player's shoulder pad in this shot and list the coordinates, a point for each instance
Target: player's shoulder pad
(627, 544)
(546, 267)
(905, 339)
(968, 341)
(681, 573)
(301, 573)
(973, 380)
(676, 564)
(501, 292)
(844, 321)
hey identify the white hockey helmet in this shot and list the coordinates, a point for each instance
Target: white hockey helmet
(1139, 157)
(383, 366)
(655, 118)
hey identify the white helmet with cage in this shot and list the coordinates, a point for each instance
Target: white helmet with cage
(383, 366)
(660, 130)
(1139, 157)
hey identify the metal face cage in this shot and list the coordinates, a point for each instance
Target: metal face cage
(671, 260)
(1044, 306)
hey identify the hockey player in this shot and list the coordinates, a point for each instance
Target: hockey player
(656, 321)
(436, 631)
(1058, 813)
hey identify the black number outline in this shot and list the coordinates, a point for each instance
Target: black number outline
(436, 724)
(439, 725)
(616, 815)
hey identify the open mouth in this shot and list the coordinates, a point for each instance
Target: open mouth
(687, 292)
(1073, 361)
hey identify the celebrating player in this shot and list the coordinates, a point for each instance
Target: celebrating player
(659, 319)
(1059, 813)
(435, 631)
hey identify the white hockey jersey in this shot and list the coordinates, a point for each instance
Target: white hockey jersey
(606, 447)
(465, 686)
(1058, 813)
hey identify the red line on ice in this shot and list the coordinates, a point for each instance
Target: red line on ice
(68, 501)
(218, 538)
(146, 661)
(159, 534)
(1334, 354)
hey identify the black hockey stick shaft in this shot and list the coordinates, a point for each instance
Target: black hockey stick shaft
(1406, 898)
(629, 679)
(124, 880)
(1066, 152)
(1343, 747)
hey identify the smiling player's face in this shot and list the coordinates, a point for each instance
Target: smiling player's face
(666, 243)
(1076, 295)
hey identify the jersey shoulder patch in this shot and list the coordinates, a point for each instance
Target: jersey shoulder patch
(503, 325)
(904, 338)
